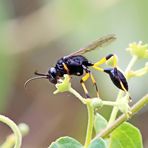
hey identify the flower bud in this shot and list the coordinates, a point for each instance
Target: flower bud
(123, 105)
(138, 49)
(64, 85)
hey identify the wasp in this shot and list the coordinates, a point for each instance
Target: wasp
(78, 65)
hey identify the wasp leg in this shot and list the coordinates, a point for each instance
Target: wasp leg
(125, 90)
(92, 78)
(122, 86)
(95, 84)
(84, 78)
(103, 60)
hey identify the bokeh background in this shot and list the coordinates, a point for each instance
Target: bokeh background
(35, 33)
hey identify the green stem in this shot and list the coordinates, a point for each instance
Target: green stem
(115, 109)
(109, 103)
(120, 94)
(90, 124)
(136, 108)
(139, 73)
(15, 129)
(74, 92)
(90, 110)
(131, 64)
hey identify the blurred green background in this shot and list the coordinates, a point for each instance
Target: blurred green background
(34, 34)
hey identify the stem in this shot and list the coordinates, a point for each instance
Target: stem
(139, 72)
(90, 110)
(136, 108)
(74, 92)
(131, 64)
(120, 94)
(115, 109)
(109, 103)
(15, 129)
(90, 124)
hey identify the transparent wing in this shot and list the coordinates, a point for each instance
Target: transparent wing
(101, 42)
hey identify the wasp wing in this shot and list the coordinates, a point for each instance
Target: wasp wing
(101, 42)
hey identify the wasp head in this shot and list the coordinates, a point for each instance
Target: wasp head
(52, 75)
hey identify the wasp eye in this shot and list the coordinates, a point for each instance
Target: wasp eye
(117, 78)
(52, 71)
(52, 75)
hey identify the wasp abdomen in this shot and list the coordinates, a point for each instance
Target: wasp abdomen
(117, 78)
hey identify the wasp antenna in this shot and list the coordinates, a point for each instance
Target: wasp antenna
(34, 78)
(40, 74)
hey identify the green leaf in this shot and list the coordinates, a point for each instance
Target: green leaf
(66, 142)
(98, 143)
(126, 136)
(99, 123)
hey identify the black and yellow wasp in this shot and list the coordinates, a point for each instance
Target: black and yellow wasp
(76, 64)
